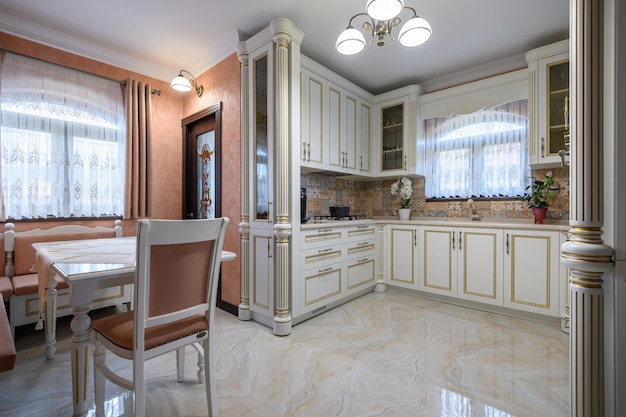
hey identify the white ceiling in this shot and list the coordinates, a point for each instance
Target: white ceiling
(159, 37)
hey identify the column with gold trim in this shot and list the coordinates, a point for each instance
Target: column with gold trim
(585, 254)
(244, 225)
(281, 31)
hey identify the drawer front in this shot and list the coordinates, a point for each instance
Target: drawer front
(322, 285)
(361, 249)
(361, 232)
(321, 237)
(361, 273)
(318, 257)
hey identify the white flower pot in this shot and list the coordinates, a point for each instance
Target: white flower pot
(404, 214)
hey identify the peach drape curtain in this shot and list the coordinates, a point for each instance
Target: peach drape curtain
(138, 178)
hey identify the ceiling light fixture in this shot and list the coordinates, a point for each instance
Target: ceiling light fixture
(383, 17)
(181, 83)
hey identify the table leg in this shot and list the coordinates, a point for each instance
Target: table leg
(79, 357)
(50, 321)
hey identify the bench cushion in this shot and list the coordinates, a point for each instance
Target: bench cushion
(24, 253)
(29, 284)
(7, 346)
(6, 288)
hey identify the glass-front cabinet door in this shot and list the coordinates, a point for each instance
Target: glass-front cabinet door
(548, 105)
(262, 144)
(393, 153)
(557, 107)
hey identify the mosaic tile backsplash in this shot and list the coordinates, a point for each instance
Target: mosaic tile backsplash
(373, 199)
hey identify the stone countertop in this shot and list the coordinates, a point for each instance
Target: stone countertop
(561, 225)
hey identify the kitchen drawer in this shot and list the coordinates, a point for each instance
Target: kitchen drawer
(361, 272)
(320, 256)
(360, 249)
(361, 232)
(323, 285)
(321, 237)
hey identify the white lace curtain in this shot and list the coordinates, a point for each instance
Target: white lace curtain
(62, 136)
(482, 154)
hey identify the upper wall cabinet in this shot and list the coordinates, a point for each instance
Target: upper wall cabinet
(312, 121)
(398, 147)
(548, 104)
(336, 125)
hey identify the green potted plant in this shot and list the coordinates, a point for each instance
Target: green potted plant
(536, 196)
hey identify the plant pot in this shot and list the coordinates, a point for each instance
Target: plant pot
(404, 213)
(539, 213)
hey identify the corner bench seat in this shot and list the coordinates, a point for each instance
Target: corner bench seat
(19, 262)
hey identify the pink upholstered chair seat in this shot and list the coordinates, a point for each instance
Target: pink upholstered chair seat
(119, 328)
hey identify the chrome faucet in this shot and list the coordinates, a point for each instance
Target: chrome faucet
(472, 214)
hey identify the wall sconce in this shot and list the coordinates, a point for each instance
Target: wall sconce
(181, 83)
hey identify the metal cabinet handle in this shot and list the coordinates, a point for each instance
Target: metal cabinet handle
(308, 145)
(460, 241)
(304, 151)
(507, 243)
(325, 250)
(543, 147)
(321, 271)
(453, 240)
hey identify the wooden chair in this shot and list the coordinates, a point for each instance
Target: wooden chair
(178, 263)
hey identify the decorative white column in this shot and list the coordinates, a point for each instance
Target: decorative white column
(381, 285)
(585, 253)
(244, 225)
(281, 31)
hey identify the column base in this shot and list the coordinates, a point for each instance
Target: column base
(380, 287)
(282, 326)
(244, 313)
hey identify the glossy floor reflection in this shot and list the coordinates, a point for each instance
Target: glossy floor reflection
(380, 355)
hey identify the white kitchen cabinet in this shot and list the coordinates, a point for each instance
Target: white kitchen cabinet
(336, 262)
(393, 137)
(402, 256)
(312, 119)
(438, 260)
(548, 103)
(531, 271)
(462, 262)
(399, 142)
(262, 273)
(480, 265)
(365, 139)
(336, 123)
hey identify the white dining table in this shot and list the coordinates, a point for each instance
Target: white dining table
(86, 265)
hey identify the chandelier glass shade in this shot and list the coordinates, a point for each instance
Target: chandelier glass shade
(381, 18)
(384, 9)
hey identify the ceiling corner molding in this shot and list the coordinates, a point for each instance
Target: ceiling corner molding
(229, 46)
(479, 72)
(17, 26)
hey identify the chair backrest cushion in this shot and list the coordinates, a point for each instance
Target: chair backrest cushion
(178, 276)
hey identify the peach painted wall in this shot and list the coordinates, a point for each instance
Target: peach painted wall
(222, 83)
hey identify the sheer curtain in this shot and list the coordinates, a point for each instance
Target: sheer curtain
(62, 136)
(138, 186)
(482, 154)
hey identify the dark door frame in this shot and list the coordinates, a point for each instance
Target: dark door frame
(189, 171)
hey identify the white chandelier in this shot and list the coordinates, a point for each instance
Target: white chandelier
(383, 16)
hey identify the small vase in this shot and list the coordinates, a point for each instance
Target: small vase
(539, 213)
(404, 213)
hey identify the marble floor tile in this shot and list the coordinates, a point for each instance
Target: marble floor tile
(388, 355)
